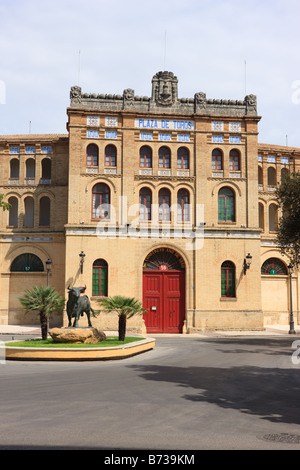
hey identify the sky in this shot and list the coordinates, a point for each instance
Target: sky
(224, 48)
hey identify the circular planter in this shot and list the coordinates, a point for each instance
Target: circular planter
(78, 354)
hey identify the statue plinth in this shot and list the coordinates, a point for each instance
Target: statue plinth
(77, 335)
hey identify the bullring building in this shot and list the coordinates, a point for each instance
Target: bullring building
(169, 200)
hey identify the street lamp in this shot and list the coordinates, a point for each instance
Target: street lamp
(247, 262)
(82, 255)
(292, 330)
(48, 268)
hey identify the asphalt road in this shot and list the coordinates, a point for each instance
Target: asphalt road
(189, 393)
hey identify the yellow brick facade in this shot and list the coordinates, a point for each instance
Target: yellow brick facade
(224, 213)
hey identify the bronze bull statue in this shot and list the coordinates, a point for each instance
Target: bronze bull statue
(78, 305)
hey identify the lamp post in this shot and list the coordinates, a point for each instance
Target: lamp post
(247, 262)
(82, 255)
(48, 268)
(292, 329)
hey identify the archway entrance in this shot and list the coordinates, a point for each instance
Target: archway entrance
(164, 291)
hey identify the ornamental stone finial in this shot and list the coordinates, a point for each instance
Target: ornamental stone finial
(75, 95)
(200, 101)
(251, 102)
(164, 88)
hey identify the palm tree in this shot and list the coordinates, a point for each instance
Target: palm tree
(125, 307)
(4, 205)
(46, 301)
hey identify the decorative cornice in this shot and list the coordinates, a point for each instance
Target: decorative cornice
(164, 97)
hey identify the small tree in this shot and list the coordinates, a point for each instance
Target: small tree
(4, 205)
(288, 234)
(125, 307)
(44, 300)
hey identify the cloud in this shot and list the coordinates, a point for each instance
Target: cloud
(123, 44)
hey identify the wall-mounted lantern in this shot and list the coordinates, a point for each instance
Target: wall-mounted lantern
(247, 262)
(48, 269)
(82, 255)
(292, 325)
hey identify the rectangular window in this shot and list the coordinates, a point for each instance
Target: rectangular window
(92, 160)
(145, 208)
(227, 283)
(217, 162)
(230, 209)
(99, 281)
(110, 160)
(183, 208)
(183, 162)
(226, 209)
(100, 206)
(145, 161)
(164, 207)
(234, 163)
(164, 161)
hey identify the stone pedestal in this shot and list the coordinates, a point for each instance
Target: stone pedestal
(77, 335)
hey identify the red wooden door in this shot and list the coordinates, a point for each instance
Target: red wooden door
(164, 299)
(153, 302)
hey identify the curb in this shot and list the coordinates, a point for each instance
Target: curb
(78, 354)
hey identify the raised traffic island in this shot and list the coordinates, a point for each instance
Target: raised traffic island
(77, 344)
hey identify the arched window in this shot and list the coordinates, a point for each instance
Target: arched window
(273, 217)
(183, 158)
(164, 158)
(164, 259)
(284, 173)
(110, 155)
(29, 212)
(27, 262)
(44, 212)
(46, 168)
(145, 157)
(228, 279)
(274, 266)
(164, 197)
(101, 201)
(271, 176)
(14, 168)
(30, 168)
(261, 216)
(13, 212)
(183, 205)
(234, 160)
(145, 204)
(100, 278)
(226, 205)
(217, 159)
(92, 155)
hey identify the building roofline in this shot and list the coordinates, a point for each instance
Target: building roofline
(33, 137)
(277, 148)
